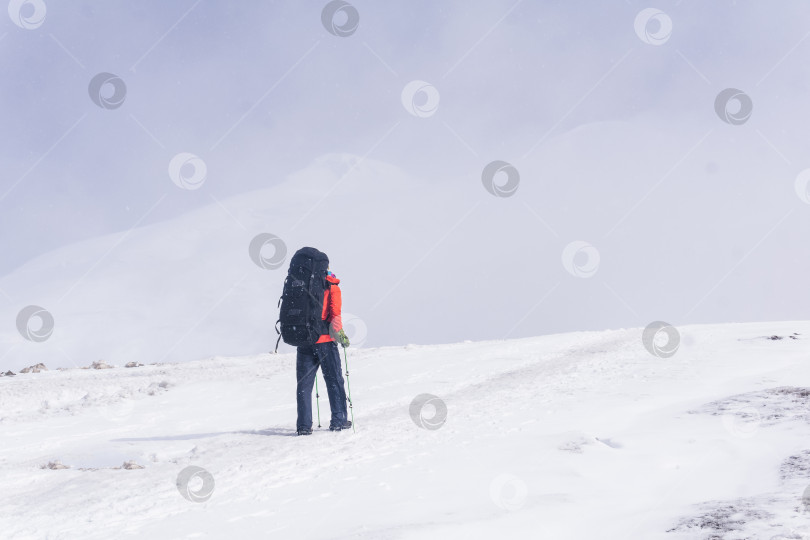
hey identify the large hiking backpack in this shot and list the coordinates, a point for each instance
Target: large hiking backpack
(301, 304)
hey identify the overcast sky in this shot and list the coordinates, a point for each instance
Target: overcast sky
(608, 112)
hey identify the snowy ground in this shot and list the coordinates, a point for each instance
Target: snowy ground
(583, 435)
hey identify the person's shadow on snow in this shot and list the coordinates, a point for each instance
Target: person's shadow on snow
(267, 432)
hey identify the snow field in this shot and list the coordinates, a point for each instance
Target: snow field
(578, 435)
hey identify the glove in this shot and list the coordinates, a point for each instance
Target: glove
(342, 338)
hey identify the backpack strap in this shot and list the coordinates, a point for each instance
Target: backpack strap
(279, 336)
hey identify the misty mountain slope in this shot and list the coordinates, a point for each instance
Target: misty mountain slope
(188, 288)
(576, 435)
(406, 251)
(418, 256)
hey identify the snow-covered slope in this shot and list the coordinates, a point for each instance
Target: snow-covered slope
(582, 435)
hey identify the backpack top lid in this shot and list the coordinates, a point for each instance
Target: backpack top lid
(309, 253)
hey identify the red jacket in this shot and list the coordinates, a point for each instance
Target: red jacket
(332, 304)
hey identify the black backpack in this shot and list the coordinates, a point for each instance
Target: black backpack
(301, 304)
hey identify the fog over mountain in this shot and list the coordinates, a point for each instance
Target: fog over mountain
(656, 160)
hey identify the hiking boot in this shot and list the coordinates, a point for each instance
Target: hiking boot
(346, 425)
(304, 431)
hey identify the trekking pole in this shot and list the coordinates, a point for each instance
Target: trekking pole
(317, 400)
(349, 387)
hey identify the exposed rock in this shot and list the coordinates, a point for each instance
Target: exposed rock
(794, 335)
(100, 365)
(722, 518)
(133, 364)
(8, 373)
(55, 465)
(34, 369)
(764, 407)
(796, 466)
(131, 465)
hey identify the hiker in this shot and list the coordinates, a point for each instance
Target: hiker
(315, 335)
(324, 353)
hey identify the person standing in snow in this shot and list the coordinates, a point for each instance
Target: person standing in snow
(324, 353)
